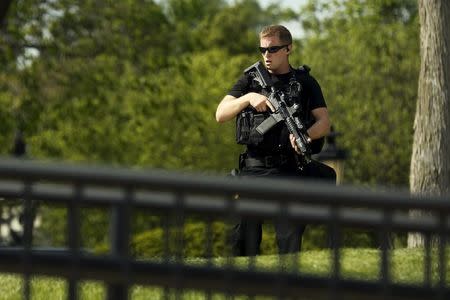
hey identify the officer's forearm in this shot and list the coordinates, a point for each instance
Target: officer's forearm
(322, 125)
(319, 129)
(230, 106)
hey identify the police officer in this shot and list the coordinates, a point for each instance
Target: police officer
(275, 153)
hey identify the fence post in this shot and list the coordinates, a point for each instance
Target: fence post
(119, 239)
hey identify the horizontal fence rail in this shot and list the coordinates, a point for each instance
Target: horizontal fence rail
(177, 195)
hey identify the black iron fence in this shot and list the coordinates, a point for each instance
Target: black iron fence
(177, 195)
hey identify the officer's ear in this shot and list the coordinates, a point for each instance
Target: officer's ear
(288, 48)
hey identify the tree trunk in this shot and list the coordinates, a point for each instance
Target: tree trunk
(430, 162)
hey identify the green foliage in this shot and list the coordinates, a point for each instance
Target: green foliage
(8, 120)
(53, 230)
(193, 239)
(368, 62)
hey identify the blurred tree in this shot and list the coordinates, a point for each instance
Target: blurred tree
(19, 37)
(242, 22)
(430, 162)
(365, 55)
(187, 17)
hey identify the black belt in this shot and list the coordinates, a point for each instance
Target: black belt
(269, 161)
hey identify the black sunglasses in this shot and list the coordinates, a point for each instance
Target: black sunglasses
(272, 49)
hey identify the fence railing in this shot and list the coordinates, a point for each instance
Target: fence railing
(175, 196)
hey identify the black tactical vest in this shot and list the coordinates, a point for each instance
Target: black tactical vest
(276, 140)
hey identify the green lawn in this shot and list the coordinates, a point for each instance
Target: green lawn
(407, 267)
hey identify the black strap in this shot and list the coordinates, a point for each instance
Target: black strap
(270, 161)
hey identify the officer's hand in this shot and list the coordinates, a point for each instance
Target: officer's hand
(293, 143)
(260, 102)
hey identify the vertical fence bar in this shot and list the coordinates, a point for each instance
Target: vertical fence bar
(209, 238)
(27, 239)
(252, 247)
(442, 256)
(336, 236)
(126, 231)
(179, 215)
(231, 213)
(119, 236)
(2, 221)
(384, 268)
(283, 221)
(73, 231)
(165, 225)
(295, 257)
(427, 260)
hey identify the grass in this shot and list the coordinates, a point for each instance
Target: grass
(407, 266)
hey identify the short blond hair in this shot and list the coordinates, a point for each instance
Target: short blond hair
(280, 31)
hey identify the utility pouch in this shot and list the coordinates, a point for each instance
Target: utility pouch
(243, 127)
(246, 123)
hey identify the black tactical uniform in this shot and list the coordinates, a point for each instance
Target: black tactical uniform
(272, 155)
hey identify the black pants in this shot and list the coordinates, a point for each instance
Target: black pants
(246, 236)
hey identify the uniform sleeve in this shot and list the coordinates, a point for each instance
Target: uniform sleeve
(241, 87)
(316, 97)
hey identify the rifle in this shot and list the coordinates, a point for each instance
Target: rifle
(288, 114)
